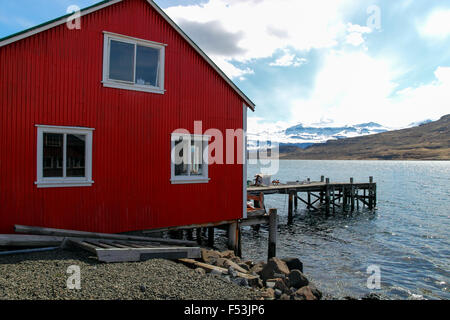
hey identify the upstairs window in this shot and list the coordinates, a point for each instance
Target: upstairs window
(188, 153)
(64, 156)
(133, 64)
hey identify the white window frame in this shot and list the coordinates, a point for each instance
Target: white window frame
(45, 182)
(204, 178)
(111, 83)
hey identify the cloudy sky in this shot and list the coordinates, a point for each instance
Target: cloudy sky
(310, 61)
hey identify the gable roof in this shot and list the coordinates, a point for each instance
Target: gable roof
(106, 3)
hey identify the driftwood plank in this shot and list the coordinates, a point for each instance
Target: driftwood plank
(95, 235)
(210, 268)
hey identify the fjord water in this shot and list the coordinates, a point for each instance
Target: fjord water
(408, 236)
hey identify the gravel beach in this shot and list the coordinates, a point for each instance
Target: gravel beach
(44, 275)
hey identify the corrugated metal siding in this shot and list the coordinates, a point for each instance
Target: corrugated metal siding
(54, 78)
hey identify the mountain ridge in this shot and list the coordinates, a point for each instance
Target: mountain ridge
(428, 141)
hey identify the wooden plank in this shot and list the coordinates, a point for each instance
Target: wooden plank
(94, 235)
(209, 268)
(21, 240)
(254, 221)
(139, 254)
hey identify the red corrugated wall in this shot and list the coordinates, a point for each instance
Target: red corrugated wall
(54, 78)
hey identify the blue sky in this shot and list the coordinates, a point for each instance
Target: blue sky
(315, 62)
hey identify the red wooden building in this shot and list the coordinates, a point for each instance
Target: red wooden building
(87, 119)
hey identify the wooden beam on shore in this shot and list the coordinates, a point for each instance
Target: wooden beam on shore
(209, 268)
(94, 235)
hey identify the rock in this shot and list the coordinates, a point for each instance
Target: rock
(142, 288)
(304, 293)
(285, 297)
(316, 292)
(270, 284)
(371, 296)
(278, 293)
(200, 271)
(297, 279)
(268, 294)
(281, 285)
(274, 266)
(227, 254)
(250, 264)
(210, 256)
(241, 282)
(232, 272)
(257, 268)
(293, 264)
(244, 266)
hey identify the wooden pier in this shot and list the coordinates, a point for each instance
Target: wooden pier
(324, 195)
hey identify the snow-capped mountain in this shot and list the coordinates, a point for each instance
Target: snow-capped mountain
(304, 136)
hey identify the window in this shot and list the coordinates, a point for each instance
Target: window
(133, 64)
(188, 153)
(64, 156)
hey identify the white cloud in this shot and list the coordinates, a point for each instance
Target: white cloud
(436, 25)
(355, 34)
(288, 59)
(354, 87)
(265, 26)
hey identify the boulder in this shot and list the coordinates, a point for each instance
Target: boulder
(227, 254)
(281, 285)
(316, 292)
(297, 279)
(274, 266)
(210, 256)
(293, 264)
(257, 268)
(304, 293)
(278, 293)
(371, 296)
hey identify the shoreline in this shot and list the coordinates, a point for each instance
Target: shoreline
(43, 276)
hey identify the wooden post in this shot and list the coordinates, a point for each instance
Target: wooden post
(333, 200)
(272, 252)
(309, 201)
(357, 198)
(233, 236)
(322, 178)
(295, 201)
(327, 196)
(198, 235)
(364, 197)
(290, 208)
(211, 237)
(374, 195)
(352, 195)
(370, 193)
